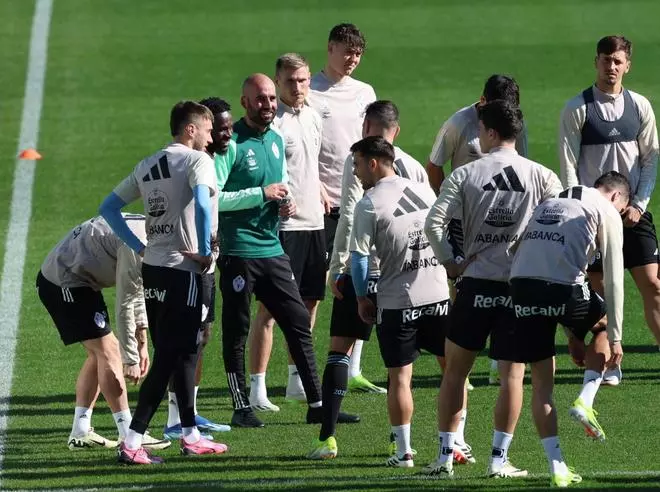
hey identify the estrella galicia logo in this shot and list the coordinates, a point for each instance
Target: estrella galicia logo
(500, 215)
(551, 215)
(157, 203)
(417, 240)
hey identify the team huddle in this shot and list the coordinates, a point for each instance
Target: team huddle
(306, 189)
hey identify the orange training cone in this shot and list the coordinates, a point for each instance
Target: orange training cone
(29, 155)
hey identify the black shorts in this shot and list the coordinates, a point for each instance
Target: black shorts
(640, 246)
(306, 251)
(208, 298)
(345, 320)
(79, 313)
(455, 238)
(403, 333)
(482, 308)
(173, 299)
(540, 305)
(330, 225)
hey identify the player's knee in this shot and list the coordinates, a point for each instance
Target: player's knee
(511, 373)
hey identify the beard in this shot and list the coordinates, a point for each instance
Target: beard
(255, 115)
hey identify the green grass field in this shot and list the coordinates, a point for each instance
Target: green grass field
(115, 69)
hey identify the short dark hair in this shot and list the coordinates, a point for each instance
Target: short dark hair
(375, 148)
(383, 113)
(349, 35)
(502, 87)
(185, 112)
(613, 180)
(611, 44)
(216, 105)
(503, 117)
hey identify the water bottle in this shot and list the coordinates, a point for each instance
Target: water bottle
(283, 202)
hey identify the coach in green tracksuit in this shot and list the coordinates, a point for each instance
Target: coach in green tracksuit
(252, 189)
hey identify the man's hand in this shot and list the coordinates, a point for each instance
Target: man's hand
(325, 200)
(577, 350)
(275, 191)
(132, 373)
(616, 354)
(204, 261)
(288, 209)
(631, 216)
(336, 285)
(366, 310)
(143, 353)
(456, 269)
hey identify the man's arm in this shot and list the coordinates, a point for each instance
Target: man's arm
(351, 193)
(570, 138)
(436, 176)
(552, 186)
(234, 200)
(521, 142)
(448, 201)
(610, 235)
(362, 239)
(443, 149)
(648, 156)
(126, 192)
(129, 293)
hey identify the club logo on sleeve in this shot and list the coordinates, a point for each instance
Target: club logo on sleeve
(99, 320)
(238, 283)
(157, 203)
(276, 150)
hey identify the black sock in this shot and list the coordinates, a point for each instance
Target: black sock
(335, 381)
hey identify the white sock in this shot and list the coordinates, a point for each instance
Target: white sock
(172, 410)
(82, 419)
(258, 392)
(133, 440)
(356, 356)
(553, 452)
(592, 380)
(402, 437)
(446, 442)
(294, 385)
(460, 432)
(191, 435)
(501, 443)
(195, 399)
(122, 421)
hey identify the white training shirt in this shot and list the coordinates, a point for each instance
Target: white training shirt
(352, 192)
(165, 181)
(637, 161)
(561, 239)
(302, 130)
(494, 198)
(341, 106)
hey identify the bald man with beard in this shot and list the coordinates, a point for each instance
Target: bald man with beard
(253, 198)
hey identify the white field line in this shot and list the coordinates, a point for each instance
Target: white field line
(21, 210)
(293, 482)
